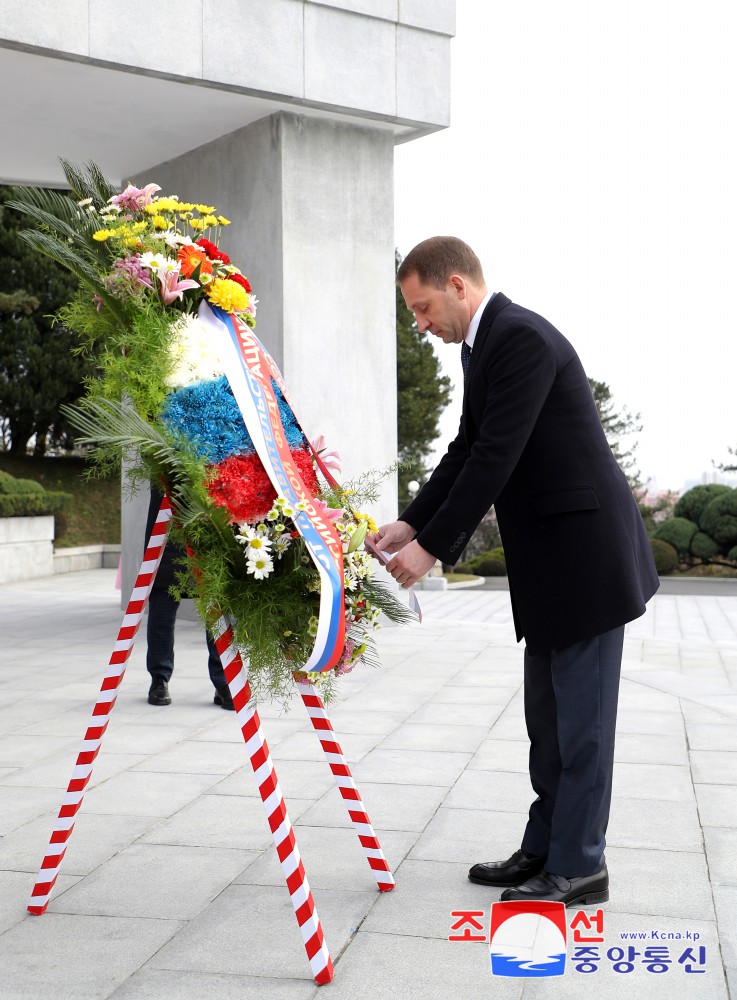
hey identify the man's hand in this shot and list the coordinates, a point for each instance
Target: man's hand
(411, 563)
(392, 537)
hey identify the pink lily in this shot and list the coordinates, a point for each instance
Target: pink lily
(331, 459)
(133, 198)
(172, 288)
(328, 513)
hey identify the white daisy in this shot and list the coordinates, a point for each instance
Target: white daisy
(260, 567)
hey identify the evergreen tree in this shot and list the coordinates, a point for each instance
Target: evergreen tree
(617, 426)
(38, 369)
(422, 395)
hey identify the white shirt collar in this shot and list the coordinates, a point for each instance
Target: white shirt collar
(474, 324)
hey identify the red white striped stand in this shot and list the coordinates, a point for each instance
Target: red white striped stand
(276, 810)
(347, 786)
(100, 714)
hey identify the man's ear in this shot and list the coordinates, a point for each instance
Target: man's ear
(459, 284)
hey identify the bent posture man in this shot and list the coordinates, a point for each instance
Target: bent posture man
(579, 561)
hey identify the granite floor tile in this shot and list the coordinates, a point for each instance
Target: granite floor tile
(469, 836)
(429, 969)
(263, 918)
(15, 894)
(300, 779)
(19, 805)
(717, 805)
(94, 954)
(725, 903)
(426, 894)
(306, 746)
(669, 782)
(501, 755)
(670, 826)
(146, 793)
(659, 883)
(228, 821)
(710, 737)
(389, 807)
(640, 748)
(714, 767)
(457, 715)
(196, 757)
(721, 851)
(333, 859)
(94, 840)
(652, 723)
(55, 771)
(163, 984)
(505, 791)
(149, 880)
(435, 736)
(412, 767)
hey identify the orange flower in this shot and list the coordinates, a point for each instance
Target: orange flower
(191, 257)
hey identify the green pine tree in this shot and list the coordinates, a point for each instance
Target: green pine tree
(38, 369)
(618, 425)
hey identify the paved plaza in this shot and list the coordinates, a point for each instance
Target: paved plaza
(171, 890)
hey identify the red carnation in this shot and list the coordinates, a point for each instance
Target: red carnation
(243, 487)
(212, 251)
(242, 281)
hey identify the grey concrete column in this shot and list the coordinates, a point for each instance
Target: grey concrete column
(311, 203)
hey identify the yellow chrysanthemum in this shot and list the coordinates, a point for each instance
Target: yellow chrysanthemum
(223, 221)
(210, 220)
(185, 206)
(227, 294)
(101, 235)
(205, 209)
(160, 222)
(197, 224)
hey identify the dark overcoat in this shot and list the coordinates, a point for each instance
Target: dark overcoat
(531, 444)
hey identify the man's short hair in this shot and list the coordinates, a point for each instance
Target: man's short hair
(434, 260)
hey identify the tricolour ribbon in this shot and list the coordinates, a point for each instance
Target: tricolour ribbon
(249, 368)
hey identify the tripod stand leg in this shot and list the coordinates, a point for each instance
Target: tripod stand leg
(276, 811)
(347, 786)
(100, 714)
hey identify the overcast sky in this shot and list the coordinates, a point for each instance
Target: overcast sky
(591, 162)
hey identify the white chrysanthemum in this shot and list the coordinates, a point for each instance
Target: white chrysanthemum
(281, 544)
(153, 261)
(176, 240)
(193, 354)
(260, 567)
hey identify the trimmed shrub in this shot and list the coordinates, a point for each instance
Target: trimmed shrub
(732, 554)
(665, 556)
(491, 563)
(703, 546)
(719, 519)
(693, 501)
(678, 532)
(27, 498)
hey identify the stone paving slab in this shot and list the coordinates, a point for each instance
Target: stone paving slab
(171, 889)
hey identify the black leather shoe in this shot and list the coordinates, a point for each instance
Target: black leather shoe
(515, 870)
(584, 891)
(158, 693)
(223, 699)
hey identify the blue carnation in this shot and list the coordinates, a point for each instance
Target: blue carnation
(207, 414)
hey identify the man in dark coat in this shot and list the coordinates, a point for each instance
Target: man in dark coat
(162, 616)
(579, 561)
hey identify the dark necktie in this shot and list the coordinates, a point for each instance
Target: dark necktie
(465, 359)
